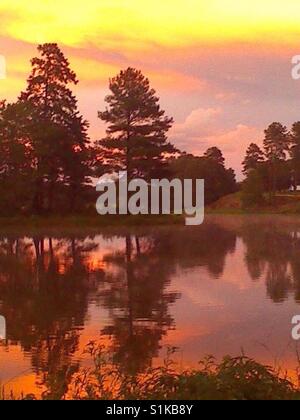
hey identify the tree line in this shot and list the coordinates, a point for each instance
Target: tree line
(275, 167)
(48, 162)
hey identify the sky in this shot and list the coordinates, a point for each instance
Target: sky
(221, 69)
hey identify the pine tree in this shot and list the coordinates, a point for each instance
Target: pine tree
(254, 157)
(295, 152)
(216, 155)
(276, 145)
(60, 133)
(136, 139)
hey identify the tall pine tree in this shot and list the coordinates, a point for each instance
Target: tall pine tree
(295, 153)
(254, 157)
(215, 155)
(136, 139)
(59, 139)
(276, 145)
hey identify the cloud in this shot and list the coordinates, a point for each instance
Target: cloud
(195, 126)
(204, 128)
(136, 24)
(234, 144)
(235, 139)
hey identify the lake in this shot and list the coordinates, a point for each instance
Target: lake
(229, 286)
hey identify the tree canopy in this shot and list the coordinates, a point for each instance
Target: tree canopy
(47, 161)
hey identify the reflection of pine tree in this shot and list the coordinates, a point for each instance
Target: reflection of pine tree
(139, 305)
(273, 253)
(136, 295)
(207, 246)
(278, 282)
(44, 297)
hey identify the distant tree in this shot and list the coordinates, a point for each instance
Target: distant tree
(230, 181)
(215, 155)
(219, 181)
(254, 157)
(253, 190)
(59, 136)
(136, 139)
(295, 153)
(276, 145)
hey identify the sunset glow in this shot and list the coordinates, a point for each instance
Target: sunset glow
(233, 58)
(134, 23)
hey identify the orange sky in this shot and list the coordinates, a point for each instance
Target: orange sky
(222, 69)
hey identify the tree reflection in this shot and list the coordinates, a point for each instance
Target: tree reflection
(272, 254)
(48, 283)
(44, 292)
(137, 293)
(138, 301)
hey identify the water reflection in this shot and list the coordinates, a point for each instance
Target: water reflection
(275, 252)
(138, 303)
(154, 287)
(44, 288)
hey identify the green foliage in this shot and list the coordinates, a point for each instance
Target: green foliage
(276, 142)
(253, 190)
(43, 138)
(47, 163)
(219, 181)
(254, 158)
(295, 153)
(15, 158)
(215, 155)
(271, 170)
(235, 378)
(276, 146)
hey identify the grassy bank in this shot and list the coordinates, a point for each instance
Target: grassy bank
(282, 203)
(79, 222)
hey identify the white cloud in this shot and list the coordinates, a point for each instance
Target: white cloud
(203, 128)
(196, 125)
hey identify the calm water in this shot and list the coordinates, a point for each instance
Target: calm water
(230, 284)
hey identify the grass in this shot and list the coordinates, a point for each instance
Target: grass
(75, 223)
(284, 204)
(234, 378)
(239, 378)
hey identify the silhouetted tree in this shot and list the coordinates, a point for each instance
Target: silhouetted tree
(59, 136)
(15, 158)
(136, 139)
(295, 152)
(253, 189)
(215, 154)
(219, 181)
(276, 144)
(254, 157)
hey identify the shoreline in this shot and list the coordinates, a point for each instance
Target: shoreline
(95, 222)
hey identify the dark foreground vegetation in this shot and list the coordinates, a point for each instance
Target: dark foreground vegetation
(235, 378)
